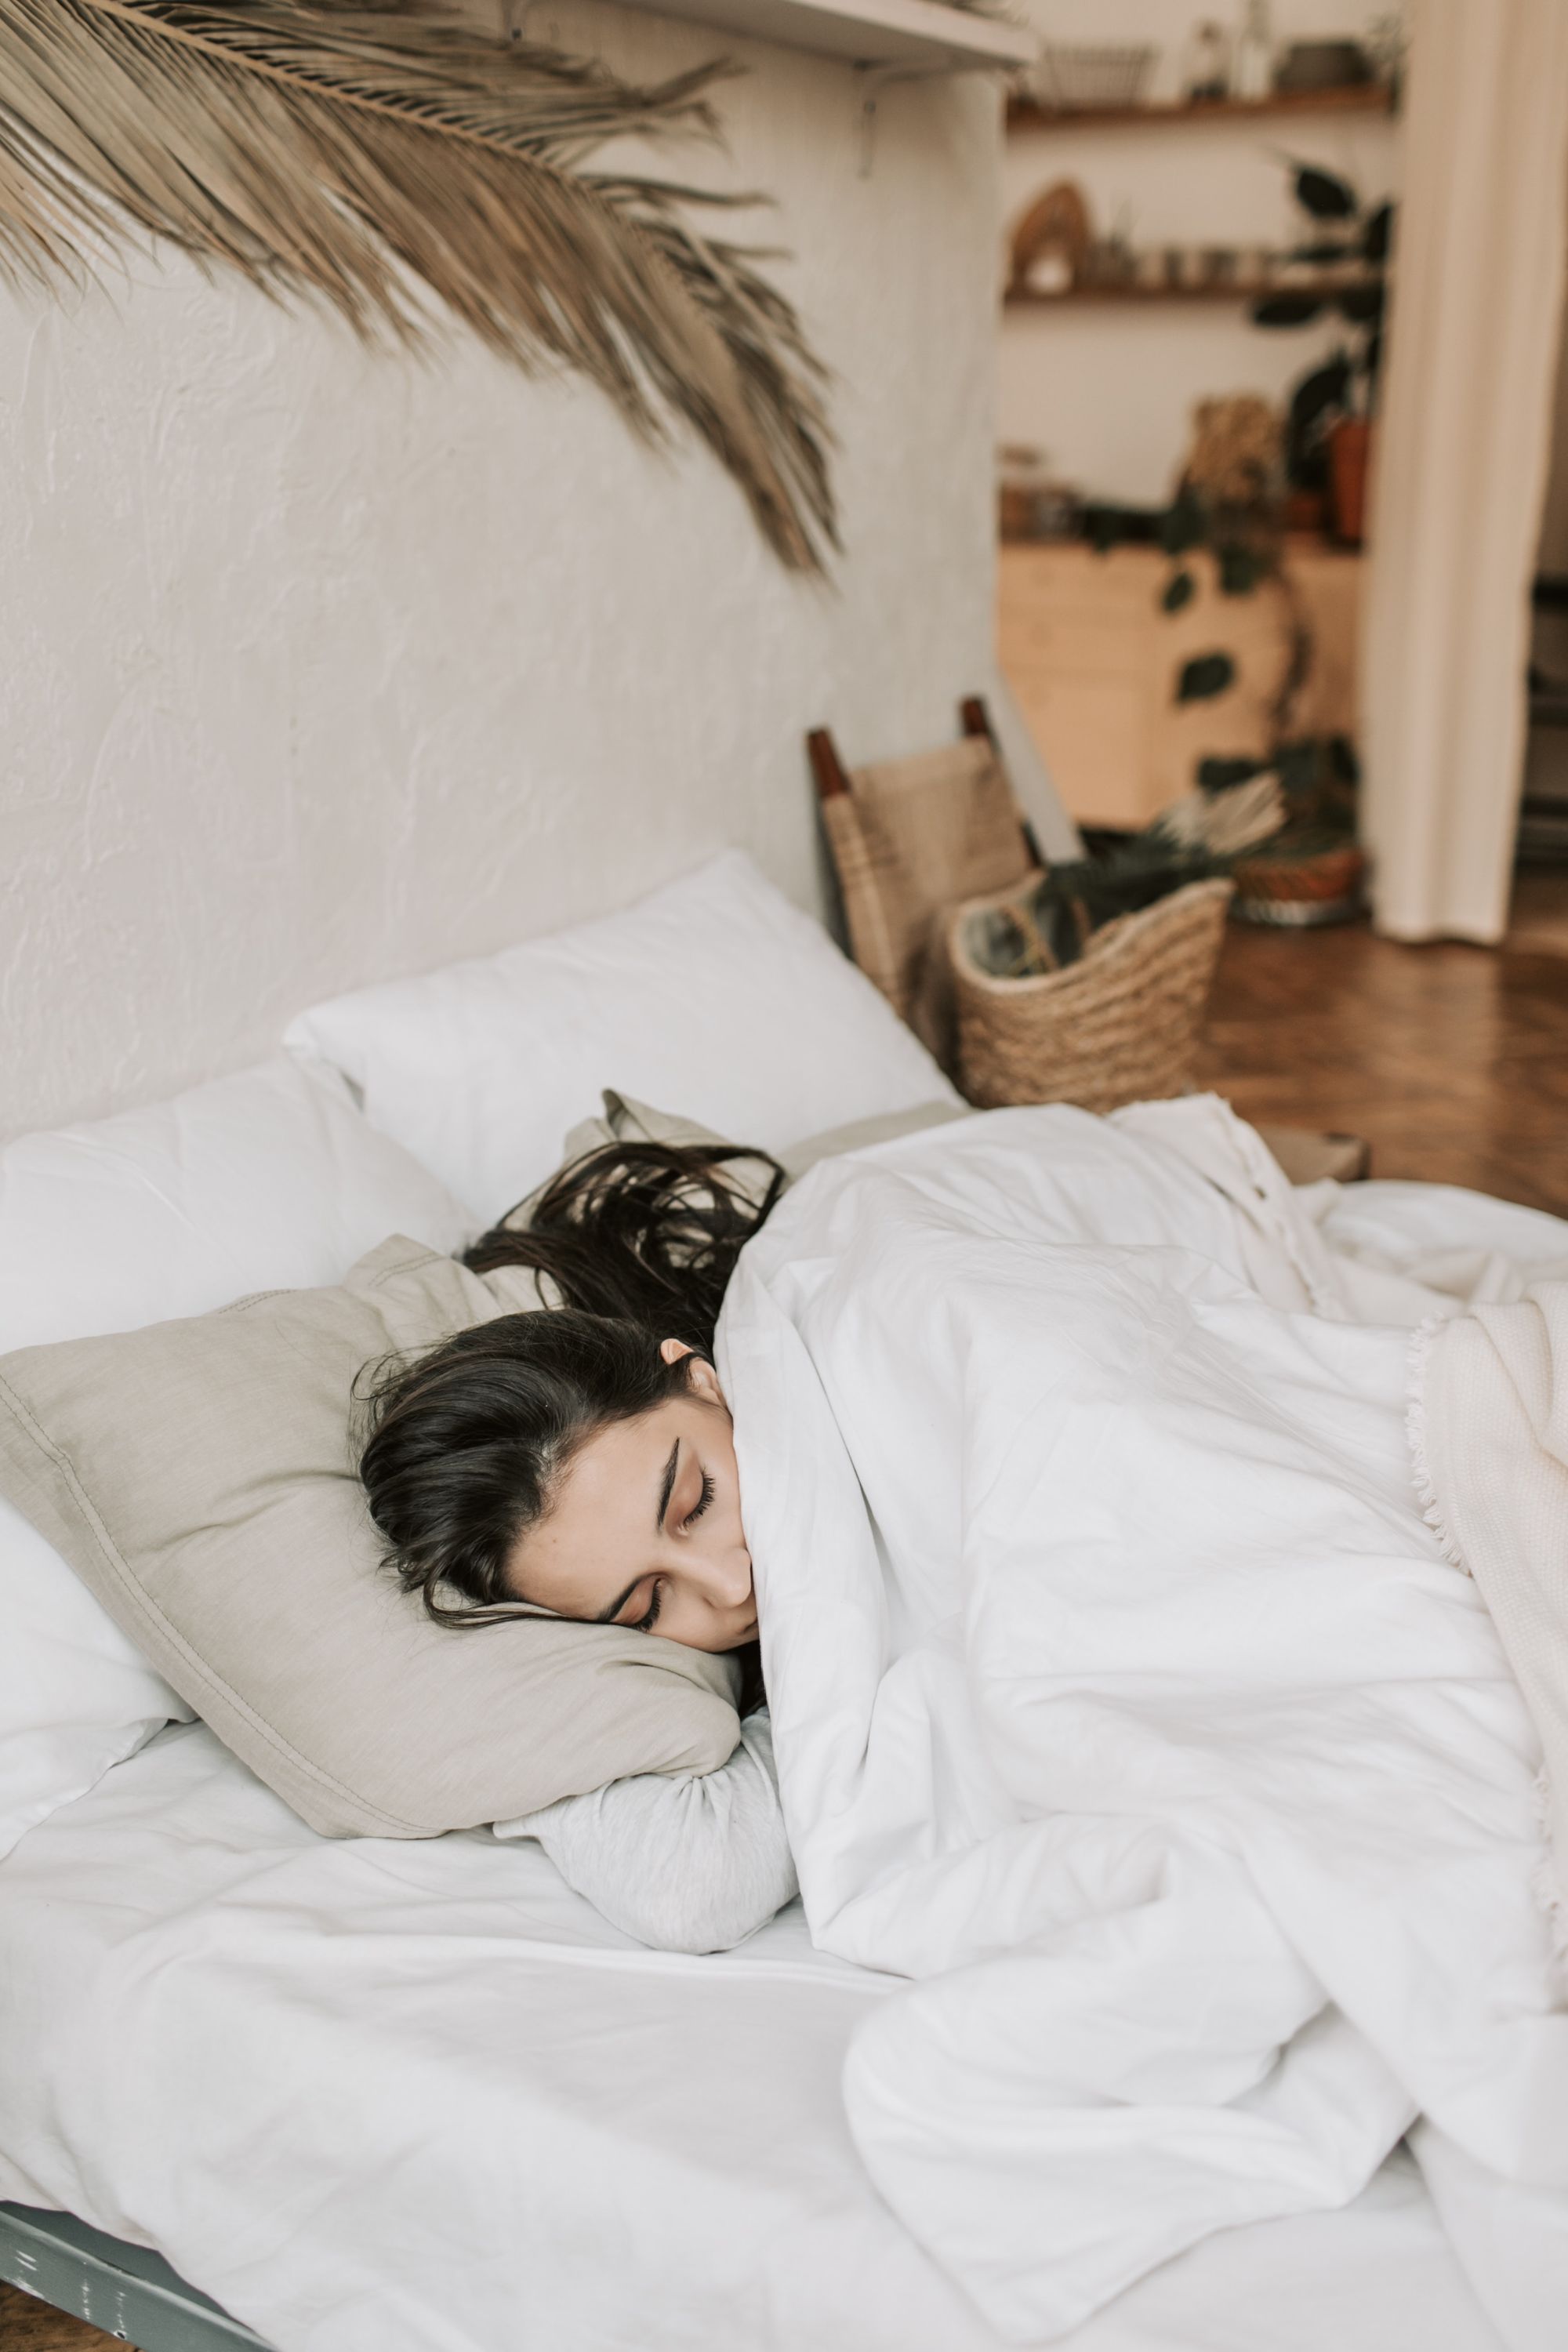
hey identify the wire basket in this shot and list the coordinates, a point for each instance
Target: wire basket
(1076, 74)
(1122, 1025)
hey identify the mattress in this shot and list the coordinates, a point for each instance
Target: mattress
(382, 2097)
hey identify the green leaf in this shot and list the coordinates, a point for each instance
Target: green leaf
(1183, 525)
(1217, 775)
(1331, 248)
(1180, 589)
(1324, 194)
(1306, 467)
(1204, 676)
(1361, 305)
(1286, 310)
(1300, 768)
(1378, 233)
(1240, 569)
(1316, 401)
(1326, 388)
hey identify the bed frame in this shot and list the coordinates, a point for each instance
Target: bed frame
(124, 2290)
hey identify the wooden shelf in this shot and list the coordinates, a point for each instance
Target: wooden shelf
(1359, 98)
(922, 35)
(1024, 298)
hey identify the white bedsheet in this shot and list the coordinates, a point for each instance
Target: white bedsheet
(1123, 1698)
(380, 2098)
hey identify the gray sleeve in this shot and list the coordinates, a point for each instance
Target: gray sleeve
(687, 1862)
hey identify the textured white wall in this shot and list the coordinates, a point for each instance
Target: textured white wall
(1109, 392)
(318, 666)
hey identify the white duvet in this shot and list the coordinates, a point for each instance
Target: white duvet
(1124, 1702)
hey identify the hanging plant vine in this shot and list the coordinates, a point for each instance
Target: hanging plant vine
(369, 158)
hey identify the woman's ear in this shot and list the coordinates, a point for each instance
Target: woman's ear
(701, 1380)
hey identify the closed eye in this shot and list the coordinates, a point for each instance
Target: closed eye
(645, 1624)
(701, 1503)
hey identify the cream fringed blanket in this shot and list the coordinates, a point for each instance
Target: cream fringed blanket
(1129, 1719)
(1489, 1429)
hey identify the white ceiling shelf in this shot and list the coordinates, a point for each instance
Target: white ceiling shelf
(900, 36)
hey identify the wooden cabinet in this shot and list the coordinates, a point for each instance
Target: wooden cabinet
(1093, 661)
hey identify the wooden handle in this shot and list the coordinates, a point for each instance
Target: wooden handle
(976, 721)
(826, 767)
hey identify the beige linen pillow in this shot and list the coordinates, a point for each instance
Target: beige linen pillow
(799, 1159)
(625, 1121)
(198, 1476)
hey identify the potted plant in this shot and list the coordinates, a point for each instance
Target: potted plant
(1303, 864)
(1328, 423)
(1310, 870)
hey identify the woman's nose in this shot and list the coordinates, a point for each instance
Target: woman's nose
(726, 1582)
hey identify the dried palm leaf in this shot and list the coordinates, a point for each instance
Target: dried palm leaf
(372, 159)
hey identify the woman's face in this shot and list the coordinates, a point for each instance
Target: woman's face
(646, 1526)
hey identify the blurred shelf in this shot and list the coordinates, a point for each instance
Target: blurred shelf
(1237, 289)
(1359, 97)
(922, 34)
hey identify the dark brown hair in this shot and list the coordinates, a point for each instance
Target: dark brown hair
(463, 1445)
(649, 1233)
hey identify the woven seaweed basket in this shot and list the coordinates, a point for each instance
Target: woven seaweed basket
(1122, 1025)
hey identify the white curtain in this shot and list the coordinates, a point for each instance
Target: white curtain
(1461, 458)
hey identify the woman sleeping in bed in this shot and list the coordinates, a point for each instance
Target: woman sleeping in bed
(1131, 1710)
(582, 1464)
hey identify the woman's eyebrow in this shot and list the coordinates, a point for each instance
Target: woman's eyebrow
(666, 1488)
(666, 1485)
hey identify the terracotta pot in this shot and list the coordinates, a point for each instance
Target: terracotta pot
(1324, 886)
(1305, 510)
(1349, 455)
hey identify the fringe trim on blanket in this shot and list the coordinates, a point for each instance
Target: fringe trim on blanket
(1416, 1432)
(1544, 1883)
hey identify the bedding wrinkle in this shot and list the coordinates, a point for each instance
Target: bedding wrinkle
(1489, 1417)
(1251, 1887)
(483, 2115)
(435, 2166)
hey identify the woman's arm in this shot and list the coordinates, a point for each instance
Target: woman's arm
(688, 1863)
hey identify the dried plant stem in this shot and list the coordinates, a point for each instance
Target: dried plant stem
(339, 153)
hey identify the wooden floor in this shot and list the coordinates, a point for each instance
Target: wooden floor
(1453, 1060)
(27, 2325)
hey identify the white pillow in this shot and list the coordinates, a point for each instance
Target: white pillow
(75, 1696)
(268, 1181)
(715, 993)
